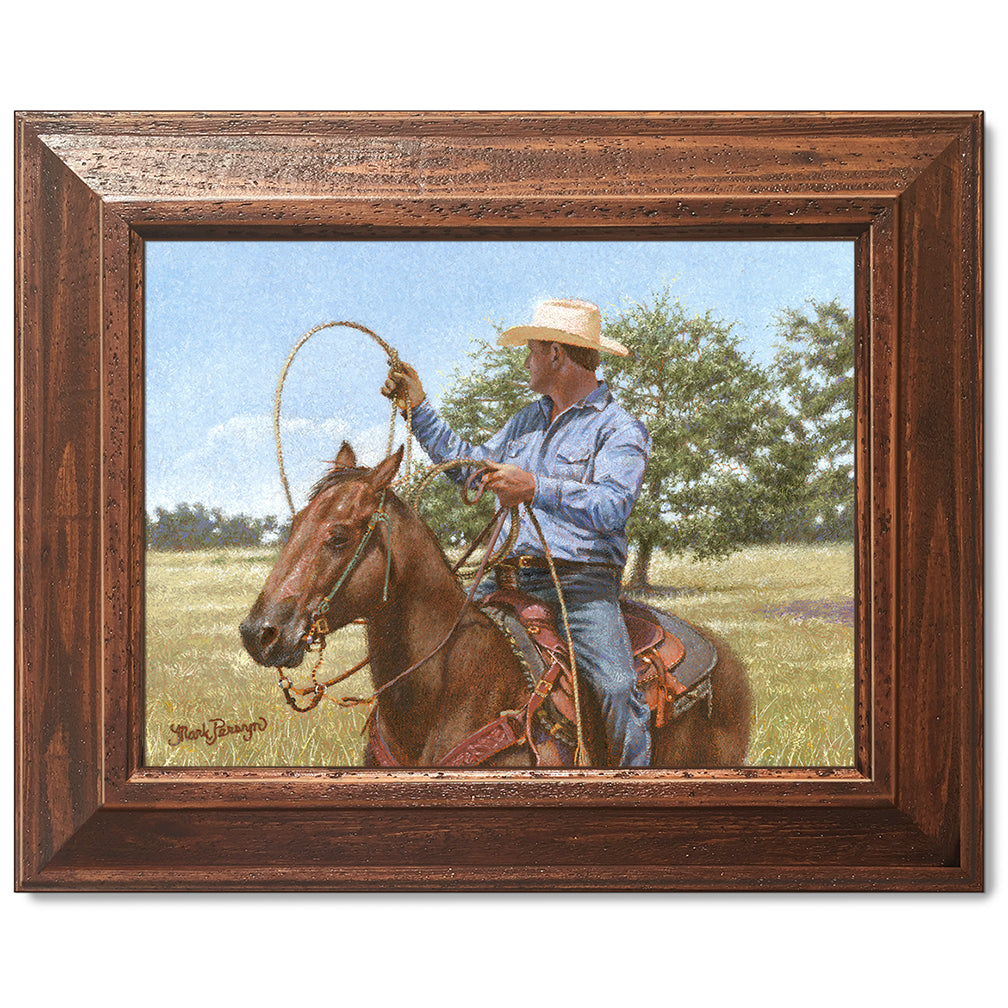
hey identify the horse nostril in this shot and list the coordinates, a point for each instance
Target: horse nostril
(267, 635)
(247, 631)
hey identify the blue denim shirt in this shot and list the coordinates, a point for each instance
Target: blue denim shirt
(588, 465)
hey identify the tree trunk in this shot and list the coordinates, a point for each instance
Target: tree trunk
(638, 580)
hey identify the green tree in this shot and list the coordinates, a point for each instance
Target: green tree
(725, 469)
(718, 463)
(815, 368)
(194, 526)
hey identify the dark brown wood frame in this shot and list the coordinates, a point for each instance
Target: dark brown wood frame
(91, 188)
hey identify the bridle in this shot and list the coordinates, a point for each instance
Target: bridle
(319, 627)
(314, 637)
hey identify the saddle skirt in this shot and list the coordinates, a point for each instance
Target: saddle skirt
(672, 660)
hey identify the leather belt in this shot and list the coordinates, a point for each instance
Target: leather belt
(516, 563)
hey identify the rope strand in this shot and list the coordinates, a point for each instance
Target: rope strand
(393, 359)
(580, 755)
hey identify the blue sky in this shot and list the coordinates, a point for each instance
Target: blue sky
(222, 317)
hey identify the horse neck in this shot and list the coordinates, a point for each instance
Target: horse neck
(424, 603)
(424, 606)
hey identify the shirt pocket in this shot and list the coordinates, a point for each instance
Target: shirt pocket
(574, 459)
(518, 451)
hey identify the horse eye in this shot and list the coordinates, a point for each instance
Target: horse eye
(338, 538)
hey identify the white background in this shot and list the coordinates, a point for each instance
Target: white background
(452, 949)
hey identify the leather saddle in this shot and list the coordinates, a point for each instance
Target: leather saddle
(672, 660)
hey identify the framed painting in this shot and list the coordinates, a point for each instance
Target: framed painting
(767, 516)
(117, 216)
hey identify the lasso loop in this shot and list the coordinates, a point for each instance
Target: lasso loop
(393, 359)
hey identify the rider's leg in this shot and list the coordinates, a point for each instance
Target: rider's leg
(604, 658)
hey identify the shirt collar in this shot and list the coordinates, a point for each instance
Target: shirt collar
(598, 399)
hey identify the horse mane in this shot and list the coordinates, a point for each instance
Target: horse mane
(335, 476)
(406, 512)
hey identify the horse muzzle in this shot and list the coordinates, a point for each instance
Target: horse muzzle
(272, 642)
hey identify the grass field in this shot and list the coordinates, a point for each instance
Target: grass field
(786, 610)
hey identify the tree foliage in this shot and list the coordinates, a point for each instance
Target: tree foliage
(718, 461)
(740, 453)
(194, 526)
(814, 366)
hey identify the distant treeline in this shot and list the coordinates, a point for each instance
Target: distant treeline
(194, 526)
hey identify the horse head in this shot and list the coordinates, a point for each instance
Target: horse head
(334, 543)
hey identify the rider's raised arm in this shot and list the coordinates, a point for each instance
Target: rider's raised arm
(442, 444)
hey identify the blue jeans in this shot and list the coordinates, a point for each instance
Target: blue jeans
(602, 650)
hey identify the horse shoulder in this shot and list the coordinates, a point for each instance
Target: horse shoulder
(486, 657)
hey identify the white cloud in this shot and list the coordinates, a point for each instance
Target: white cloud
(235, 466)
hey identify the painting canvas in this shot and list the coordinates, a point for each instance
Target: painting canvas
(740, 366)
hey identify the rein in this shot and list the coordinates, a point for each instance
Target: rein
(315, 637)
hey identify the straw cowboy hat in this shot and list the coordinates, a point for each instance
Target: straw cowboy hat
(564, 321)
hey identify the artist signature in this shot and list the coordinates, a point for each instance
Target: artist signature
(215, 728)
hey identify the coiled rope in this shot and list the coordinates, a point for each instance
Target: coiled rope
(435, 470)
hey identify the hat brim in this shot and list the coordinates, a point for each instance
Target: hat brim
(520, 335)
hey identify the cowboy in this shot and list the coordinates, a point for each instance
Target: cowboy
(577, 459)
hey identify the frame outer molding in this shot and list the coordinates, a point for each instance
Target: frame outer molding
(57, 499)
(938, 714)
(92, 187)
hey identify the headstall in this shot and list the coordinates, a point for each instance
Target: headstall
(315, 636)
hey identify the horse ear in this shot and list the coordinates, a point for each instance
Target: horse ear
(345, 459)
(384, 472)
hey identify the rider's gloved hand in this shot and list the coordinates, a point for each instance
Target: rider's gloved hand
(402, 384)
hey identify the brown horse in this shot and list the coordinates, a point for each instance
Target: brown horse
(398, 580)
